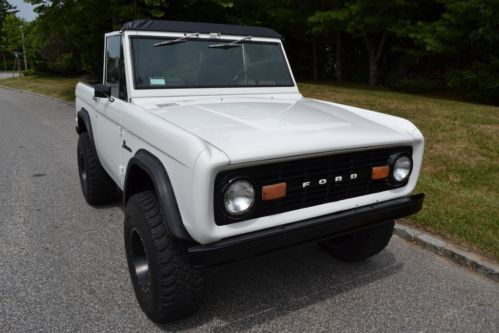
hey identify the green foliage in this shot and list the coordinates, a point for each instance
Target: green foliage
(467, 33)
(69, 34)
(414, 84)
(479, 81)
(5, 9)
(329, 20)
(29, 72)
(372, 21)
(11, 33)
(471, 26)
(408, 45)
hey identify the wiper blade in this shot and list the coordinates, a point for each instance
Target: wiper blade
(178, 40)
(235, 43)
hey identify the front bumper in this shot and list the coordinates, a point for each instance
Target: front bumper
(311, 230)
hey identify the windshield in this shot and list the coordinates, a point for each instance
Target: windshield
(201, 63)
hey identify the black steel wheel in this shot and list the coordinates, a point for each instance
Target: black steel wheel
(139, 261)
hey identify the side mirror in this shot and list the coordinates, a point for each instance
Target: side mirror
(102, 91)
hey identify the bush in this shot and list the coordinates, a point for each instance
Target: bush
(30, 72)
(479, 82)
(418, 84)
(415, 74)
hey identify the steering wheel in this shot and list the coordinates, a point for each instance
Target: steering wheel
(247, 73)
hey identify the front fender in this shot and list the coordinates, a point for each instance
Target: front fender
(153, 167)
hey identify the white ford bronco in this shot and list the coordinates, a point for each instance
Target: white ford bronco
(220, 158)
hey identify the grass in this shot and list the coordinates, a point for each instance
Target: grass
(58, 87)
(460, 174)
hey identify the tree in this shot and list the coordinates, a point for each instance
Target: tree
(331, 20)
(69, 33)
(5, 9)
(13, 35)
(373, 21)
(467, 34)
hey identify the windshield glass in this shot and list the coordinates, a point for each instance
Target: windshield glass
(194, 64)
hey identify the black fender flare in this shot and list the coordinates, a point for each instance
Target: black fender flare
(151, 165)
(85, 118)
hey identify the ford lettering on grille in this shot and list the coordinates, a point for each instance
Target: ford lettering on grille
(326, 180)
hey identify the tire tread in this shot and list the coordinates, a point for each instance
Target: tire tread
(100, 188)
(180, 286)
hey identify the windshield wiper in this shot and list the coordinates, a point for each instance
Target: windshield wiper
(178, 40)
(235, 43)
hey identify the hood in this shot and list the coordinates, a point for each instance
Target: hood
(250, 129)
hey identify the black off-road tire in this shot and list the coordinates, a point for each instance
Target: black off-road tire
(360, 245)
(167, 286)
(97, 187)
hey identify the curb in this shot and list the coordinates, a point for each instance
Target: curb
(439, 246)
(36, 94)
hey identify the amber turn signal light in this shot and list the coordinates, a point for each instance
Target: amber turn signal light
(380, 172)
(274, 191)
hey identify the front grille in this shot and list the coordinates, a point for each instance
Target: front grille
(296, 172)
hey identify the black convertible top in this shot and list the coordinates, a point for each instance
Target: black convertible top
(193, 27)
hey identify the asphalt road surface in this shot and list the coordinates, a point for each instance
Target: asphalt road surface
(63, 267)
(8, 75)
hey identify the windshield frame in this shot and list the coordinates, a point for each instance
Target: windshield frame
(204, 91)
(214, 41)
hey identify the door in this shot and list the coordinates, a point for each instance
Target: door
(108, 130)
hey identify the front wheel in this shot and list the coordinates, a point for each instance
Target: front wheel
(360, 245)
(165, 283)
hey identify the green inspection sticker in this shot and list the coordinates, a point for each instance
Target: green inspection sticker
(157, 81)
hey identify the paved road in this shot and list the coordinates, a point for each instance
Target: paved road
(7, 75)
(63, 268)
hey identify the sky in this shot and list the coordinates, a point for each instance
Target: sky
(25, 9)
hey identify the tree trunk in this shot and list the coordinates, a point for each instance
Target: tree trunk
(24, 52)
(373, 68)
(339, 55)
(314, 60)
(374, 56)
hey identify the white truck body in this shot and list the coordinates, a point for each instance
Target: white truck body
(198, 132)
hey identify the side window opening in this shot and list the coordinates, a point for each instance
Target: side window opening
(115, 67)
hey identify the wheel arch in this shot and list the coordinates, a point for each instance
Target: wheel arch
(146, 172)
(84, 124)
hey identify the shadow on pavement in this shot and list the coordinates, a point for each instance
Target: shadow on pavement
(243, 294)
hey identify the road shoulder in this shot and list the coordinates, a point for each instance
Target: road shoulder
(449, 250)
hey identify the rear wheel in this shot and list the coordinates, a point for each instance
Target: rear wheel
(165, 283)
(96, 185)
(360, 245)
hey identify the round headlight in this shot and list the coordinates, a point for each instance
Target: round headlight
(401, 168)
(239, 197)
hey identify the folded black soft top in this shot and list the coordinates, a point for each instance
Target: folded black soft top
(192, 27)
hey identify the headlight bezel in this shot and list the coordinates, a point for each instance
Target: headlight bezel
(392, 161)
(222, 193)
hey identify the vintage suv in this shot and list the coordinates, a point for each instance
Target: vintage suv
(220, 158)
